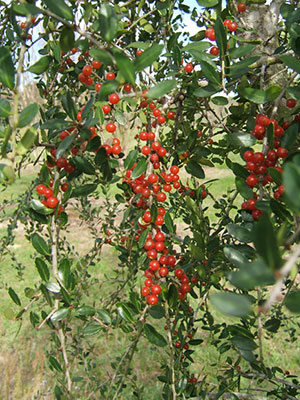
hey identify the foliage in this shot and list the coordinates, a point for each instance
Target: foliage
(130, 103)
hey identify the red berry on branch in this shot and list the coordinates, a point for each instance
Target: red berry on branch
(241, 7)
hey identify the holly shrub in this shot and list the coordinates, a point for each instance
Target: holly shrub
(133, 110)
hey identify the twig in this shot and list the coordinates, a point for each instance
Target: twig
(169, 333)
(283, 273)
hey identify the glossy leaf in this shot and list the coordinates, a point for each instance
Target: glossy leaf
(55, 364)
(5, 108)
(83, 165)
(60, 314)
(195, 169)
(43, 269)
(210, 73)
(41, 65)
(7, 69)
(84, 190)
(13, 295)
(207, 3)
(64, 145)
(240, 233)
(256, 96)
(139, 169)
(130, 159)
(27, 141)
(240, 139)
(292, 301)
(237, 258)
(153, 336)
(148, 57)
(124, 312)
(92, 330)
(108, 22)
(291, 181)
(243, 189)
(40, 245)
(264, 239)
(125, 67)
(67, 39)
(290, 136)
(237, 305)
(104, 316)
(59, 8)
(69, 106)
(221, 37)
(291, 62)
(161, 88)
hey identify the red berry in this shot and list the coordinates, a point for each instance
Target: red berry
(252, 180)
(282, 152)
(113, 98)
(210, 34)
(163, 271)
(127, 88)
(40, 189)
(290, 103)
(64, 187)
(87, 70)
(98, 87)
(106, 108)
(48, 192)
(111, 127)
(171, 114)
(156, 289)
(110, 76)
(188, 68)
(161, 196)
(241, 7)
(232, 27)
(96, 64)
(152, 299)
(214, 51)
(52, 202)
(145, 291)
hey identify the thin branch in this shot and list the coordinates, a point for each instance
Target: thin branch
(283, 273)
(169, 333)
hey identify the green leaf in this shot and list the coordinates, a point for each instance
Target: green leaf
(125, 67)
(85, 311)
(172, 295)
(210, 73)
(53, 287)
(148, 57)
(240, 139)
(197, 46)
(243, 188)
(219, 100)
(195, 169)
(59, 8)
(243, 343)
(7, 172)
(67, 39)
(101, 55)
(131, 159)
(251, 275)
(40, 245)
(41, 65)
(291, 181)
(280, 211)
(43, 269)
(64, 145)
(27, 115)
(83, 165)
(139, 169)
(241, 51)
(157, 312)
(265, 241)
(291, 62)
(84, 190)
(5, 108)
(120, 118)
(25, 9)
(92, 329)
(169, 223)
(27, 141)
(107, 88)
(257, 96)
(60, 314)
(237, 258)
(153, 336)
(221, 36)
(108, 22)
(292, 301)
(104, 316)
(237, 305)
(143, 238)
(290, 136)
(13, 295)
(275, 175)
(69, 106)
(273, 92)
(207, 3)
(39, 207)
(55, 364)
(124, 312)
(161, 88)
(240, 233)
(58, 124)
(206, 91)
(7, 69)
